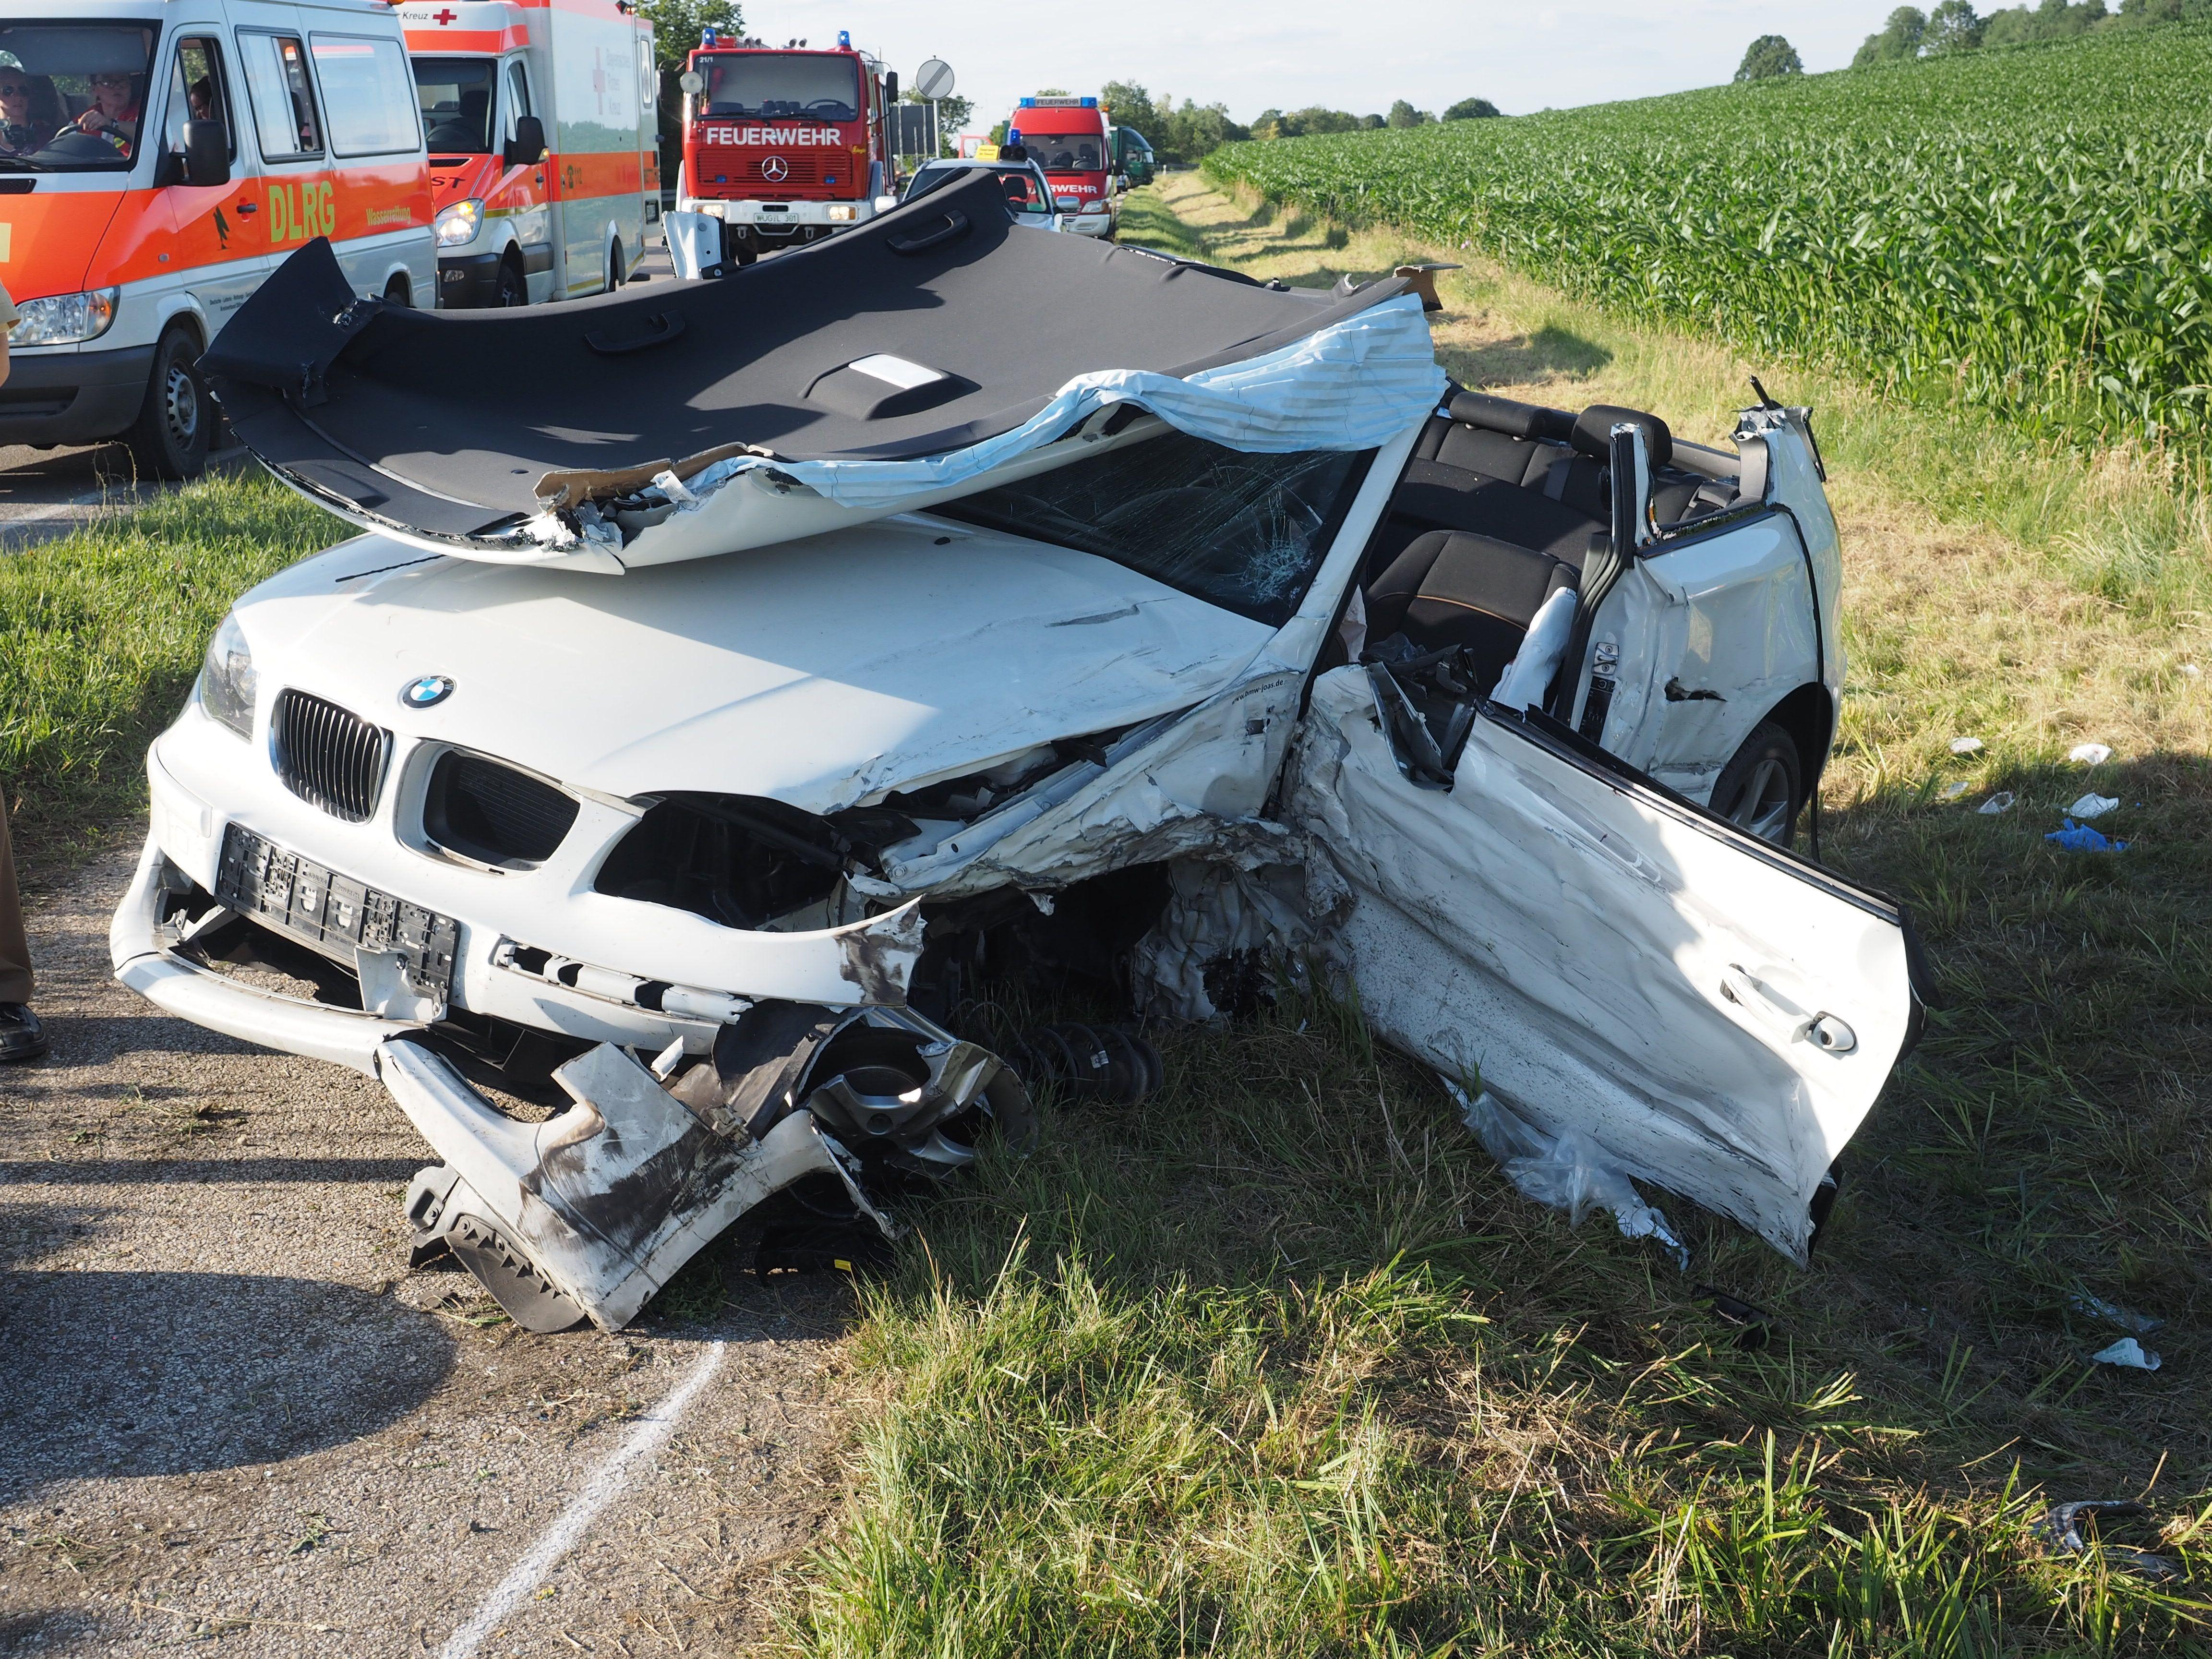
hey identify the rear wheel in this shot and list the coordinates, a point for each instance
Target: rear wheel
(399, 292)
(170, 437)
(511, 289)
(1762, 789)
(615, 266)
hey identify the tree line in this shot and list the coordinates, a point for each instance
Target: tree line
(1954, 26)
(1185, 134)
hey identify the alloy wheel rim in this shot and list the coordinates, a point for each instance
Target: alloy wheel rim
(1763, 806)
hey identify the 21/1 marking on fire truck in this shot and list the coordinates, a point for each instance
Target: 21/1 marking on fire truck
(298, 211)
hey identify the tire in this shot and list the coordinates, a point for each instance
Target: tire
(615, 267)
(170, 439)
(1762, 789)
(511, 289)
(399, 292)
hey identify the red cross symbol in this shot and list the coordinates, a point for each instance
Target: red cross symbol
(448, 15)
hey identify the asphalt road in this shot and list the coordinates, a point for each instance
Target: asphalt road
(47, 493)
(230, 1415)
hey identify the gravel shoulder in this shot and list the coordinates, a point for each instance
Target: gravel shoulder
(232, 1413)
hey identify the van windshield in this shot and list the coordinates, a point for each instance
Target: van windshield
(72, 95)
(1064, 152)
(455, 94)
(778, 86)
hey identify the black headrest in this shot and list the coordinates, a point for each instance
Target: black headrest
(1514, 420)
(1594, 432)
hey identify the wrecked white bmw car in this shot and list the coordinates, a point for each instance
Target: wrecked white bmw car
(736, 673)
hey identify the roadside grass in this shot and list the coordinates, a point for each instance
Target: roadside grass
(1278, 1362)
(100, 635)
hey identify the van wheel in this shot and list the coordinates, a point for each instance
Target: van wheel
(1762, 789)
(615, 266)
(511, 289)
(170, 437)
(399, 292)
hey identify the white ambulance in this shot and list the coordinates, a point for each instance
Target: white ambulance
(544, 164)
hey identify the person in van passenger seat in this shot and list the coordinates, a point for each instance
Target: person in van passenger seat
(114, 112)
(21, 129)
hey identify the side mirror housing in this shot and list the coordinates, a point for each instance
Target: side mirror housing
(527, 147)
(891, 86)
(886, 203)
(207, 154)
(692, 81)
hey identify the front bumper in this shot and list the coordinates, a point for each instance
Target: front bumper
(79, 396)
(588, 1214)
(773, 216)
(468, 280)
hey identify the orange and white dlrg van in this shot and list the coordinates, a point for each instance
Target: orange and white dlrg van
(544, 160)
(158, 158)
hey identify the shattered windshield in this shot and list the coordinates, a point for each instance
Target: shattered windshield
(1246, 532)
(72, 95)
(772, 85)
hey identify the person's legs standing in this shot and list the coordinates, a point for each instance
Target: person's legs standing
(22, 1038)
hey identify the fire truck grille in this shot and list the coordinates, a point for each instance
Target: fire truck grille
(329, 757)
(802, 170)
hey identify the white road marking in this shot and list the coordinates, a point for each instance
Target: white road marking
(606, 1481)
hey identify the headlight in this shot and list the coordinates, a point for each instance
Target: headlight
(65, 318)
(227, 678)
(713, 210)
(458, 223)
(840, 210)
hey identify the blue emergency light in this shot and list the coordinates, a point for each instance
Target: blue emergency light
(708, 37)
(845, 38)
(1060, 103)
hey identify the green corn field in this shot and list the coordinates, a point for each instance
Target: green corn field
(2027, 230)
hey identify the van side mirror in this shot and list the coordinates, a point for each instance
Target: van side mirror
(1632, 529)
(692, 81)
(891, 86)
(207, 153)
(527, 147)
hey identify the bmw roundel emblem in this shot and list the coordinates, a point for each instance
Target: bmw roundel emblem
(428, 692)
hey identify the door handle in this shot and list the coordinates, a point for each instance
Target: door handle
(1824, 1031)
(243, 208)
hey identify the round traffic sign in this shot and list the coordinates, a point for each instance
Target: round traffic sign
(934, 79)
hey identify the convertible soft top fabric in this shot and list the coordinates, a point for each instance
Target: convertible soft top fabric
(458, 429)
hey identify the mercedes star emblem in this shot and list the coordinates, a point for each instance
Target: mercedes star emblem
(776, 169)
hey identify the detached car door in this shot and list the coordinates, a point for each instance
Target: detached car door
(1607, 955)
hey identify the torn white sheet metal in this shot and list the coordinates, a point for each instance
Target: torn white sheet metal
(1606, 961)
(1216, 911)
(593, 1211)
(1353, 386)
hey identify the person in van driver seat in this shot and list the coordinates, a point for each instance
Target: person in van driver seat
(23, 125)
(114, 112)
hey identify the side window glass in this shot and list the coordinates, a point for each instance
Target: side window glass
(196, 93)
(367, 96)
(283, 106)
(517, 95)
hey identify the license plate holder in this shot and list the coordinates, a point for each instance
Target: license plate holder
(333, 914)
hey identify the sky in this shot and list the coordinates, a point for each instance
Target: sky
(1256, 54)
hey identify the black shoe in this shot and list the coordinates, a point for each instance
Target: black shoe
(21, 1036)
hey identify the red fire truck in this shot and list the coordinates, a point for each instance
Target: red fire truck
(784, 145)
(1067, 137)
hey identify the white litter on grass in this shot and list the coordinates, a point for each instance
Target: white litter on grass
(2192, 671)
(2093, 805)
(1568, 1172)
(598, 1490)
(1999, 802)
(2090, 754)
(1965, 746)
(1953, 791)
(2127, 1352)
